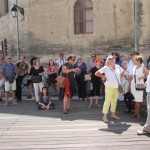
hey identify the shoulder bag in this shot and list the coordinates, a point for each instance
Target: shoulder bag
(37, 78)
(138, 87)
(87, 77)
(120, 89)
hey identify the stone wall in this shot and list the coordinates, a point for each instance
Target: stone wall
(48, 28)
(144, 27)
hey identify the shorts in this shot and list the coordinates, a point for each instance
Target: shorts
(96, 90)
(10, 86)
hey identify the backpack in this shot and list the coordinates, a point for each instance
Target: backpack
(128, 98)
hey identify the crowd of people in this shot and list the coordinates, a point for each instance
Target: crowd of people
(92, 79)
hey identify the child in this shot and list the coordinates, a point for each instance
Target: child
(45, 103)
(95, 85)
(146, 128)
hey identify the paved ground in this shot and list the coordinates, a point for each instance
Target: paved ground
(24, 127)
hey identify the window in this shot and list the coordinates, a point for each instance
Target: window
(83, 17)
(4, 9)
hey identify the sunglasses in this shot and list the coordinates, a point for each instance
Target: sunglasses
(8, 58)
(73, 59)
(111, 58)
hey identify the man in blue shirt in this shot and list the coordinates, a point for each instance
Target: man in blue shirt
(9, 73)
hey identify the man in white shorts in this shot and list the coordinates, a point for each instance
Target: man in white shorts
(9, 73)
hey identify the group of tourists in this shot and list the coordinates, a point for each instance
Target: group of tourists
(110, 77)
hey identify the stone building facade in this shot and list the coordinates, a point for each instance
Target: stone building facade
(48, 27)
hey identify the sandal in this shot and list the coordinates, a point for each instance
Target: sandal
(71, 109)
(115, 117)
(65, 112)
(106, 120)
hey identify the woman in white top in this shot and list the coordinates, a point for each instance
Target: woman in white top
(146, 128)
(112, 76)
(139, 72)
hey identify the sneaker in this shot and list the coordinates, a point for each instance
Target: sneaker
(142, 132)
(6, 104)
(90, 106)
(14, 103)
(97, 105)
(29, 97)
(33, 98)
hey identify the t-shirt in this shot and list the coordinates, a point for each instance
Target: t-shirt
(119, 62)
(70, 75)
(60, 62)
(45, 100)
(21, 67)
(94, 78)
(91, 64)
(130, 67)
(110, 75)
(35, 72)
(8, 70)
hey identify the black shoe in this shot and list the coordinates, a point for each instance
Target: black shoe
(1, 99)
(83, 99)
(19, 100)
(127, 111)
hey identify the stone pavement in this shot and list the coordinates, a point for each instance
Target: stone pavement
(24, 127)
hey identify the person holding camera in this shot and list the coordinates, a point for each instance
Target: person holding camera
(9, 73)
(22, 68)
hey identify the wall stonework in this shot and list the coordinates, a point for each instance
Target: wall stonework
(48, 28)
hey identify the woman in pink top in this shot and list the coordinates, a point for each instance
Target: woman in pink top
(52, 70)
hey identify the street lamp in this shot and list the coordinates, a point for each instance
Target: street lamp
(14, 12)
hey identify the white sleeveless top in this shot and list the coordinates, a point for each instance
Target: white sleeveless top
(138, 95)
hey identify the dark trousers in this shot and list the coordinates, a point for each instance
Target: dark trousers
(81, 85)
(18, 87)
(61, 93)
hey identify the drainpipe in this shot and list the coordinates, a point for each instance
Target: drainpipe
(136, 25)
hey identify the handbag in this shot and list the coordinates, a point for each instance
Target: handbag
(60, 82)
(120, 88)
(87, 77)
(138, 86)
